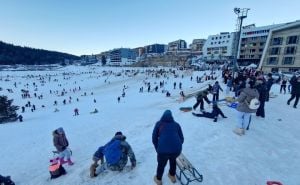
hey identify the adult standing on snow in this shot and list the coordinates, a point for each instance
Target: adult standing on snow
(216, 91)
(167, 139)
(202, 95)
(295, 92)
(61, 144)
(244, 112)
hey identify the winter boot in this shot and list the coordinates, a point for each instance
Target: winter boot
(70, 163)
(93, 170)
(62, 161)
(172, 178)
(239, 131)
(158, 182)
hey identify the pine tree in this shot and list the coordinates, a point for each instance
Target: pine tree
(7, 110)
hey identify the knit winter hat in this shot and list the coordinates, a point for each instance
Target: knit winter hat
(60, 130)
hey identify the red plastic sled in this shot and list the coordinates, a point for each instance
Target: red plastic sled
(274, 183)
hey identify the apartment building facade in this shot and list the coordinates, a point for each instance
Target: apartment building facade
(176, 46)
(252, 43)
(282, 51)
(219, 47)
(155, 49)
(121, 57)
(197, 47)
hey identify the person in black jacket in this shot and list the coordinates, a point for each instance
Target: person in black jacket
(295, 92)
(269, 84)
(263, 91)
(213, 115)
(167, 139)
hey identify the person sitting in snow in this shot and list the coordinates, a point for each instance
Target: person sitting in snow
(116, 153)
(213, 115)
(95, 111)
(61, 144)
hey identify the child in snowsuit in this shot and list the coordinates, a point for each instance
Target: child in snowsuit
(116, 153)
(213, 115)
(61, 144)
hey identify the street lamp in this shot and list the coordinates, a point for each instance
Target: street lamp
(242, 14)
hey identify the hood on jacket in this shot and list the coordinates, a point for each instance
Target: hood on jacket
(167, 116)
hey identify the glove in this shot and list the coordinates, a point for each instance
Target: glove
(133, 164)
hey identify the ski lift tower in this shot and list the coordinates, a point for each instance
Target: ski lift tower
(242, 14)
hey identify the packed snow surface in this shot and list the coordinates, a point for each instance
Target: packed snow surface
(270, 150)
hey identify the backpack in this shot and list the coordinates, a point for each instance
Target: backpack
(112, 152)
(253, 104)
(56, 169)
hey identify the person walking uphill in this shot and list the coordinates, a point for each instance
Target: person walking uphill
(244, 109)
(116, 153)
(167, 139)
(61, 144)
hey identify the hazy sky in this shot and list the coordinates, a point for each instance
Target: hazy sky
(92, 26)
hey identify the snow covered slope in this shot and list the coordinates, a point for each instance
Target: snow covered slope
(268, 151)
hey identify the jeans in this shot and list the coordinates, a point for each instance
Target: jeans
(65, 154)
(162, 160)
(243, 119)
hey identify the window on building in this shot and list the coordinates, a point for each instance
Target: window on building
(292, 40)
(244, 39)
(272, 61)
(211, 43)
(261, 44)
(261, 50)
(277, 41)
(228, 36)
(227, 41)
(220, 37)
(253, 38)
(288, 61)
(274, 51)
(290, 50)
(242, 51)
(252, 50)
(219, 42)
(212, 38)
(216, 38)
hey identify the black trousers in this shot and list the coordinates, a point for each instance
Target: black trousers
(162, 160)
(283, 87)
(201, 102)
(216, 97)
(261, 109)
(293, 97)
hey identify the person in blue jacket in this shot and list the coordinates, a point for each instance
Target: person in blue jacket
(167, 139)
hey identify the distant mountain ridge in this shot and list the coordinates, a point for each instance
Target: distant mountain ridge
(11, 54)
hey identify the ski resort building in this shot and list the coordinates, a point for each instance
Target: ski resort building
(121, 57)
(282, 51)
(219, 47)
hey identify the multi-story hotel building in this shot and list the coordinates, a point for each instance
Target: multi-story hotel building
(252, 43)
(219, 47)
(282, 51)
(197, 47)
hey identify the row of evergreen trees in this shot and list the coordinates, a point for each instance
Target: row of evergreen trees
(7, 110)
(10, 55)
